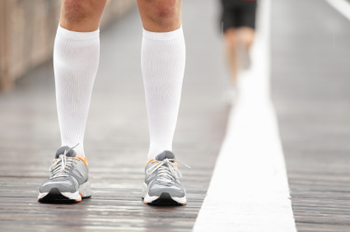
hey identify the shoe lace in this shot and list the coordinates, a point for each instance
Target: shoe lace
(61, 165)
(167, 170)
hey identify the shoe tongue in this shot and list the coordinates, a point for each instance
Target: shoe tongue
(165, 155)
(61, 151)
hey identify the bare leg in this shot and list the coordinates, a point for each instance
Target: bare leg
(76, 58)
(231, 40)
(246, 36)
(243, 36)
(163, 64)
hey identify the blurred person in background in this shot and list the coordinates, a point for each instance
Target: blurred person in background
(238, 21)
(76, 60)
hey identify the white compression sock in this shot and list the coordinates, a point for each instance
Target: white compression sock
(163, 65)
(76, 58)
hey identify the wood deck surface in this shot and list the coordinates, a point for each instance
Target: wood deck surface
(116, 140)
(310, 89)
(311, 92)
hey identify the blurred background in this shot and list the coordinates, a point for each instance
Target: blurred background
(28, 30)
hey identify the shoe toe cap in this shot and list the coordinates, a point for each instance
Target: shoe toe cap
(65, 185)
(175, 190)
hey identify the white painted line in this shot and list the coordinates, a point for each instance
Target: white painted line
(249, 188)
(342, 6)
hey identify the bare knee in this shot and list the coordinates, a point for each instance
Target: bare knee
(81, 15)
(247, 36)
(164, 15)
(74, 11)
(249, 41)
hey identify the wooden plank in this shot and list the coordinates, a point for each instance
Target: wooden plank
(310, 83)
(116, 141)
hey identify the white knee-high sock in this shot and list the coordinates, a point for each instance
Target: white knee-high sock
(163, 65)
(76, 58)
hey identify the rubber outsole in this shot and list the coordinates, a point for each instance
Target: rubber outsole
(56, 196)
(164, 200)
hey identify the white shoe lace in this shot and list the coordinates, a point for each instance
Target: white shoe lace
(61, 166)
(167, 170)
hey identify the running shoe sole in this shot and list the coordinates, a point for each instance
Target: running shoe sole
(163, 199)
(54, 194)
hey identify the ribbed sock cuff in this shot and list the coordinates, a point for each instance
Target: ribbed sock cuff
(74, 35)
(163, 35)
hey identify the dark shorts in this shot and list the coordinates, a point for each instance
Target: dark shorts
(238, 13)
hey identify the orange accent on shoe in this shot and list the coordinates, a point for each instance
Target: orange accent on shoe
(145, 203)
(184, 204)
(77, 200)
(81, 195)
(151, 161)
(85, 160)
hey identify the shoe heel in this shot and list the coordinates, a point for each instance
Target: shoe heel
(85, 190)
(144, 190)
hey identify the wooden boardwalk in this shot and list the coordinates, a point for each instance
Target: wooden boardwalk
(311, 92)
(116, 137)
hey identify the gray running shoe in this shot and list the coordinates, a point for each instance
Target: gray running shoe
(162, 185)
(68, 179)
